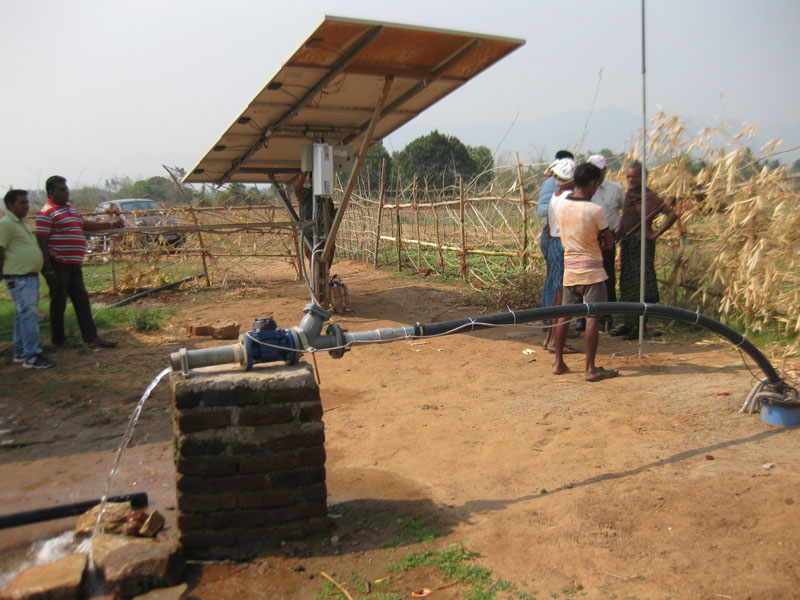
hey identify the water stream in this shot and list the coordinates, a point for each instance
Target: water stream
(126, 438)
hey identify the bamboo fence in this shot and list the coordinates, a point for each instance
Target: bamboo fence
(733, 253)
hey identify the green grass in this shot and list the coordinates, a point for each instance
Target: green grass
(412, 529)
(409, 529)
(130, 318)
(452, 565)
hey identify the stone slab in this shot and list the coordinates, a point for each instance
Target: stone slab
(59, 580)
(138, 568)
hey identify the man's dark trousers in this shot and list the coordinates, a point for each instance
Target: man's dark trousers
(67, 282)
(609, 260)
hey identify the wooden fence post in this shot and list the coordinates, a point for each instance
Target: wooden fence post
(113, 269)
(524, 203)
(196, 222)
(416, 213)
(398, 243)
(464, 268)
(436, 224)
(381, 197)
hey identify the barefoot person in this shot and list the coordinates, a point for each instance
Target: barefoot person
(584, 231)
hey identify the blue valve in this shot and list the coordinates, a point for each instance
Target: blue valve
(267, 343)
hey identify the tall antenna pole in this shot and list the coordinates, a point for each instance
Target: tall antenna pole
(643, 228)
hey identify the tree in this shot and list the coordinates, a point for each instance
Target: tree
(484, 163)
(370, 176)
(440, 157)
(158, 188)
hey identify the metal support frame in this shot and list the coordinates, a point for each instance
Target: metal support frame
(327, 252)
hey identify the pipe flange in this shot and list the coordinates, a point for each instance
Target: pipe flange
(338, 336)
(183, 356)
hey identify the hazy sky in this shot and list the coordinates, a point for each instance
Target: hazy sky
(104, 88)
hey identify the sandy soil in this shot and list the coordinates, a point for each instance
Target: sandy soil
(645, 486)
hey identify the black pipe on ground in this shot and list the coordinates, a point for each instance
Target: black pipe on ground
(137, 500)
(161, 288)
(599, 309)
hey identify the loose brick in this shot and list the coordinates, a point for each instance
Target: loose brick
(270, 498)
(311, 412)
(191, 522)
(311, 456)
(205, 503)
(298, 477)
(205, 465)
(195, 447)
(201, 421)
(318, 491)
(187, 399)
(267, 462)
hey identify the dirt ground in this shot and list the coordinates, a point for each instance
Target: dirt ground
(649, 485)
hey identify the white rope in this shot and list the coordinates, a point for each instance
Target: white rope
(744, 339)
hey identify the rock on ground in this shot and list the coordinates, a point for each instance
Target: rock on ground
(171, 593)
(139, 567)
(113, 518)
(59, 580)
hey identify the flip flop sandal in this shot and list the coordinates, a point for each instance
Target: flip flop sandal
(604, 374)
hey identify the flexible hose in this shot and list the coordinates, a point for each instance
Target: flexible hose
(599, 309)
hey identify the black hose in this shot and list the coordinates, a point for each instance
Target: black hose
(161, 288)
(599, 309)
(137, 500)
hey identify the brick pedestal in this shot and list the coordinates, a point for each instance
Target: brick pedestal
(250, 458)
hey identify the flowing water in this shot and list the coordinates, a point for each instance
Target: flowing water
(47, 551)
(126, 438)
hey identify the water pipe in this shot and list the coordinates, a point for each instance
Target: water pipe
(137, 500)
(269, 344)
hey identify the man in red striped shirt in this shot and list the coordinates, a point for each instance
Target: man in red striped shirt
(59, 231)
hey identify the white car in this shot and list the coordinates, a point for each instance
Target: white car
(129, 209)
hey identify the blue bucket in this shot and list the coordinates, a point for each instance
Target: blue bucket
(782, 414)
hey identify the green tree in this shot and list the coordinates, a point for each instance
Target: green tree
(370, 176)
(796, 166)
(484, 163)
(158, 188)
(440, 157)
(86, 198)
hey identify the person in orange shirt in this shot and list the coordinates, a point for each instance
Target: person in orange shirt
(584, 231)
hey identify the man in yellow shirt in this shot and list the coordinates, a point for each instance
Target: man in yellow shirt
(21, 261)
